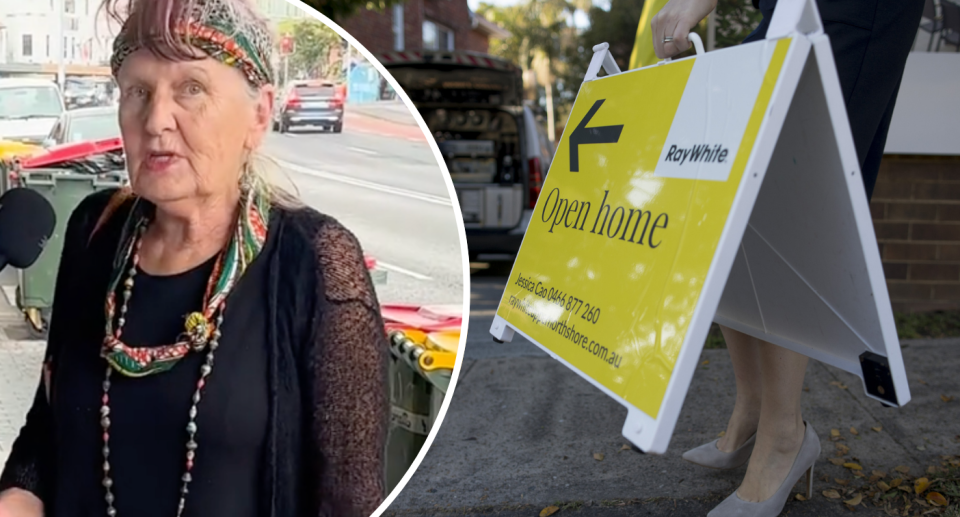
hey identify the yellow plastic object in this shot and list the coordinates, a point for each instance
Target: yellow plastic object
(448, 341)
(417, 336)
(433, 360)
(643, 54)
(11, 149)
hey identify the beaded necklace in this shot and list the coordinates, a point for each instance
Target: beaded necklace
(201, 328)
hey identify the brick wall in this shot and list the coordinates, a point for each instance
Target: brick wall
(916, 215)
(476, 42)
(374, 30)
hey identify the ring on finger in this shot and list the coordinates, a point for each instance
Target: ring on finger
(667, 39)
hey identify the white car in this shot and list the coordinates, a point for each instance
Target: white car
(28, 109)
(497, 152)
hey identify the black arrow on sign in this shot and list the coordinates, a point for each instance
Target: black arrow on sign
(591, 135)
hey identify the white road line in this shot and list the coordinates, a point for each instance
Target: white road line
(420, 196)
(396, 269)
(363, 151)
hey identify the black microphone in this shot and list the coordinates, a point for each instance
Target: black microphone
(27, 221)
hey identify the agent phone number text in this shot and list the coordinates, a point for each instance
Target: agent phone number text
(587, 311)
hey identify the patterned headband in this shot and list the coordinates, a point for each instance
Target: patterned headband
(214, 29)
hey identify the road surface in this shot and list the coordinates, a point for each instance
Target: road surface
(391, 193)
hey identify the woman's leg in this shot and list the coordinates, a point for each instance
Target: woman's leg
(780, 430)
(745, 354)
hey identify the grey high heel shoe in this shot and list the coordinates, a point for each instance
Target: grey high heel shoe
(708, 455)
(733, 506)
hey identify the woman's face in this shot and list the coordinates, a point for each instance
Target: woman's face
(188, 126)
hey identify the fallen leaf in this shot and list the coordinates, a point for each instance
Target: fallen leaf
(550, 510)
(855, 500)
(626, 447)
(883, 486)
(839, 385)
(834, 432)
(806, 388)
(842, 482)
(921, 447)
(921, 485)
(843, 449)
(905, 488)
(831, 494)
(836, 461)
(705, 362)
(878, 428)
(858, 474)
(874, 478)
(598, 456)
(799, 497)
(903, 469)
(853, 466)
(946, 398)
(853, 431)
(896, 482)
(879, 473)
(721, 434)
(931, 470)
(937, 498)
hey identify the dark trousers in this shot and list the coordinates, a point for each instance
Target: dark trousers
(871, 40)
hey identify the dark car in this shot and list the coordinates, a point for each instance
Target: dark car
(304, 103)
(84, 125)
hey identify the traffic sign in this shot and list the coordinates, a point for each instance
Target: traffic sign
(721, 187)
(287, 45)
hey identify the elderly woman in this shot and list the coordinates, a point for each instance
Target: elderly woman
(216, 349)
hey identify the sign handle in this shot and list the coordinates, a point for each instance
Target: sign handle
(601, 58)
(697, 42)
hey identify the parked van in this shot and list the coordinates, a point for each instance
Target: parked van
(493, 146)
(28, 109)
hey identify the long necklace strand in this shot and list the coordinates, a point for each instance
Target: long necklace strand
(205, 370)
(202, 329)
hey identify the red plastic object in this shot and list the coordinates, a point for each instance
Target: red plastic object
(404, 316)
(71, 152)
(370, 262)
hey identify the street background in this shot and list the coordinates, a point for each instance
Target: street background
(524, 433)
(379, 178)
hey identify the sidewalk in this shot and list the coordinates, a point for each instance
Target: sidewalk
(522, 433)
(20, 358)
(394, 111)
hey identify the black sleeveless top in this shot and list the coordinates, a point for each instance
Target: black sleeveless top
(149, 414)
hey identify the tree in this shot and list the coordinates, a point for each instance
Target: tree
(735, 20)
(338, 10)
(313, 43)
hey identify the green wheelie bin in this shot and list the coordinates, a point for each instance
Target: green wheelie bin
(417, 392)
(64, 190)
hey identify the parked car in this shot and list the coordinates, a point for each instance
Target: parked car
(28, 109)
(80, 93)
(310, 103)
(84, 125)
(496, 151)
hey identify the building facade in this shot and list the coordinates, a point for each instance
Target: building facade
(40, 31)
(423, 25)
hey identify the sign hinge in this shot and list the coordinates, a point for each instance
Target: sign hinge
(601, 58)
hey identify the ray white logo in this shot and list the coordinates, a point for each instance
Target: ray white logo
(704, 153)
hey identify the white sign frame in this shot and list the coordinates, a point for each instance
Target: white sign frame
(861, 336)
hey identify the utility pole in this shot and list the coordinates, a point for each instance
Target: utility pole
(61, 22)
